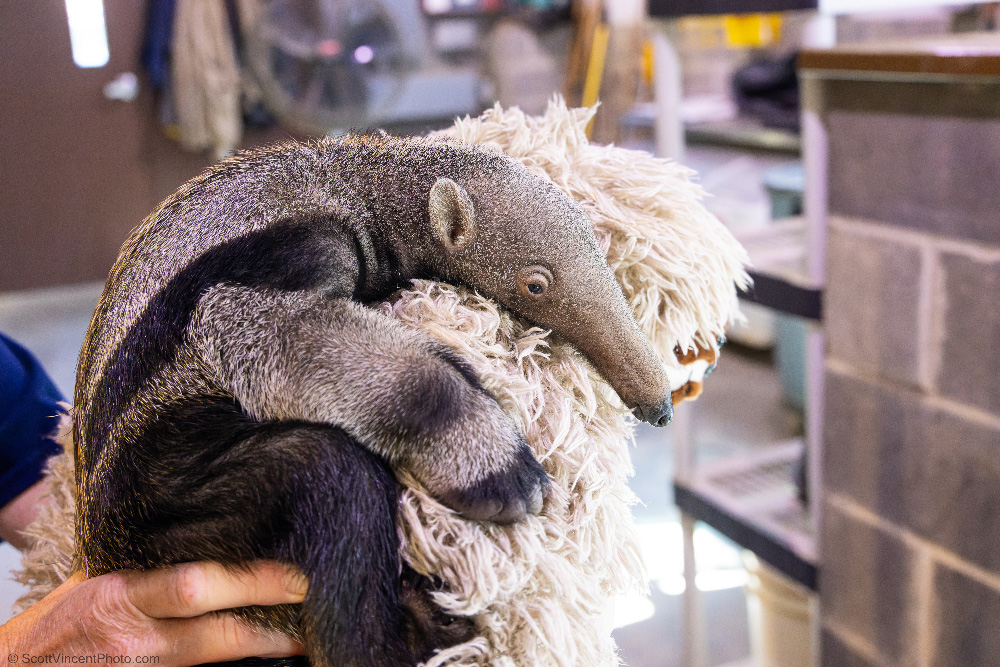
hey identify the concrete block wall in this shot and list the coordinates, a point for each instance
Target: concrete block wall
(911, 534)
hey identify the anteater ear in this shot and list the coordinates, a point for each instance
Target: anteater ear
(452, 213)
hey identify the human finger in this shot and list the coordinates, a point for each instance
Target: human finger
(192, 589)
(223, 638)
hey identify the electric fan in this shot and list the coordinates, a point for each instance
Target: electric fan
(327, 66)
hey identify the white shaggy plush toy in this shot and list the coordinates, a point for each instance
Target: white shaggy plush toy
(538, 589)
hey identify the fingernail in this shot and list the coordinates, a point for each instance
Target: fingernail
(297, 583)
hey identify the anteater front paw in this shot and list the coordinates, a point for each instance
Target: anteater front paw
(505, 496)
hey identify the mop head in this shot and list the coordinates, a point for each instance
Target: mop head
(538, 590)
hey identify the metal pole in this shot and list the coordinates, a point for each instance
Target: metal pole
(667, 93)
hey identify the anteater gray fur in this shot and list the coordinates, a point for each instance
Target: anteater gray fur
(236, 401)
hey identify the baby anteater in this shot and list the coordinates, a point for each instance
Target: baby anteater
(236, 400)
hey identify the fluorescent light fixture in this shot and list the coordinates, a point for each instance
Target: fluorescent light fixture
(88, 33)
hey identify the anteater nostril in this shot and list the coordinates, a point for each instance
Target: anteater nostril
(657, 415)
(662, 414)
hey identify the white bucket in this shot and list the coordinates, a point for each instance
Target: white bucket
(780, 618)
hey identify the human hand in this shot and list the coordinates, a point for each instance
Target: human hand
(165, 613)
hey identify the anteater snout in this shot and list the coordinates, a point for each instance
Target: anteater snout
(657, 415)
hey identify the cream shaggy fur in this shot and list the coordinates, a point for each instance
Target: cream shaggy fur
(538, 590)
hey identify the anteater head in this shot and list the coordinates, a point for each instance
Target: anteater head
(516, 237)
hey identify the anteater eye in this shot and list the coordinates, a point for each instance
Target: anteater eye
(533, 281)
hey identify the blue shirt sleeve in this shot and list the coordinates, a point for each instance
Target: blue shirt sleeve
(29, 413)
